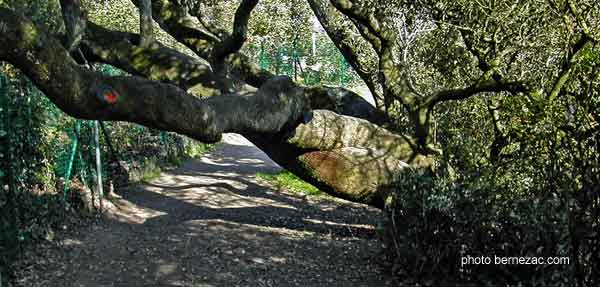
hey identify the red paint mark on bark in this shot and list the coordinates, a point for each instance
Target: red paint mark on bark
(110, 97)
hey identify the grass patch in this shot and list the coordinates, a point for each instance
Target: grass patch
(286, 180)
(197, 150)
(150, 174)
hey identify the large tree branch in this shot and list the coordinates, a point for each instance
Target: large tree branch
(133, 53)
(345, 40)
(90, 95)
(168, 65)
(392, 76)
(364, 17)
(243, 69)
(160, 63)
(268, 117)
(174, 19)
(343, 132)
(477, 88)
(373, 39)
(177, 22)
(66, 82)
(233, 42)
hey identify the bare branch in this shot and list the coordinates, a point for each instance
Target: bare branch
(75, 22)
(146, 31)
(567, 66)
(480, 87)
(157, 63)
(176, 22)
(234, 42)
(344, 38)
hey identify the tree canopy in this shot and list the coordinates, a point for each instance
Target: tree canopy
(494, 101)
(192, 72)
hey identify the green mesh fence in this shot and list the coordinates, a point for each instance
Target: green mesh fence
(344, 74)
(46, 157)
(291, 60)
(264, 61)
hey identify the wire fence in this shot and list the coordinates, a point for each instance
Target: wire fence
(50, 161)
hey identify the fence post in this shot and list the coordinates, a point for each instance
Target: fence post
(71, 160)
(98, 163)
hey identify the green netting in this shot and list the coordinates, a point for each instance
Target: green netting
(264, 60)
(164, 138)
(70, 140)
(343, 72)
(48, 157)
(293, 60)
(71, 159)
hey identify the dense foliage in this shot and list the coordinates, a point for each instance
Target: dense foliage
(36, 148)
(520, 174)
(517, 170)
(36, 151)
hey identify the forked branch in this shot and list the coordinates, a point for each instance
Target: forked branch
(233, 42)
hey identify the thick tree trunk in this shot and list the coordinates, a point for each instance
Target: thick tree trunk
(347, 156)
(351, 156)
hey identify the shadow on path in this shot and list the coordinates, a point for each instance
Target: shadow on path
(211, 222)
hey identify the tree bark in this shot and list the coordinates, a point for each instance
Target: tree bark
(146, 29)
(279, 117)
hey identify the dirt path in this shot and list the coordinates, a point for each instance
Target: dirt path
(211, 222)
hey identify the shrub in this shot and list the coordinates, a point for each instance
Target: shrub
(434, 226)
(36, 141)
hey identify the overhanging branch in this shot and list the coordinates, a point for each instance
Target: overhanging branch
(480, 87)
(233, 42)
(273, 112)
(157, 63)
(91, 95)
(175, 20)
